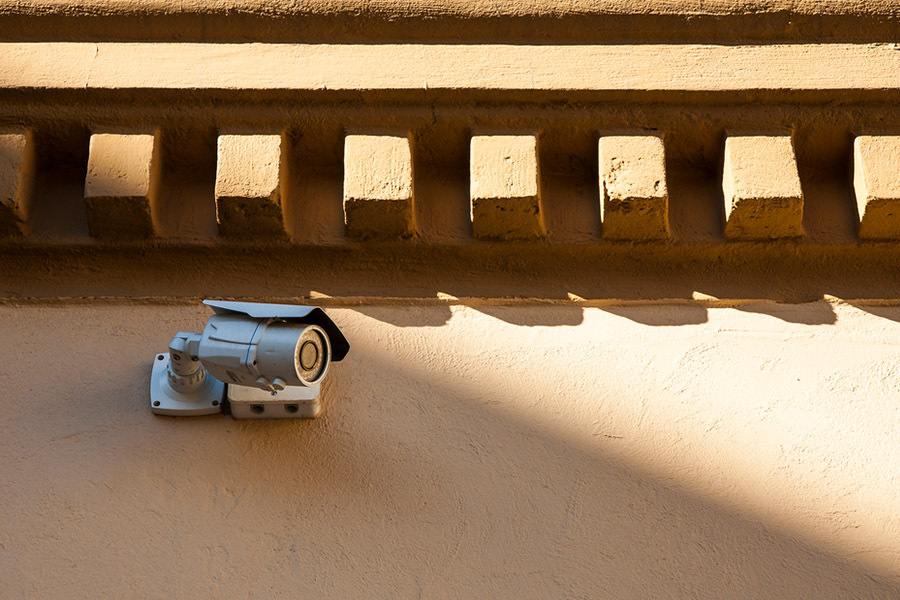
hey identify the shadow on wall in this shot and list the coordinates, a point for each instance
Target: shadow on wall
(558, 317)
(655, 315)
(549, 518)
(885, 311)
(437, 316)
(400, 316)
(807, 313)
(411, 484)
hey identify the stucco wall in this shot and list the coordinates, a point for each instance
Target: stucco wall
(556, 234)
(628, 451)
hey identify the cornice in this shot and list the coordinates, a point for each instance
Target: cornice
(530, 164)
(515, 21)
(433, 68)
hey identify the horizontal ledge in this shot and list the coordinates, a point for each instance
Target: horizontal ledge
(780, 272)
(435, 8)
(602, 21)
(327, 301)
(363, 67)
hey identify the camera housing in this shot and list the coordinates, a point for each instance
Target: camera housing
(267, 360)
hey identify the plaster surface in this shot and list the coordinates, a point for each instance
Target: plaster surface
(575, 416)
(248, 186)
(645, 67)
(875, 164)
(378, 186)
(570, 20)
(634, 200)
(626, 451)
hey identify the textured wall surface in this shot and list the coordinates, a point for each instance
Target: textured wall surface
(620, 279)
(340, 20)
(628, 451)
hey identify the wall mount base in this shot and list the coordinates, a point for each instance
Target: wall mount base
(205, 400)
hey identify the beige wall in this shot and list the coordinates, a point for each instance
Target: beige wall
(564, 388)
(629, 451)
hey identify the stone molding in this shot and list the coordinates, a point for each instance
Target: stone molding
(755, 126)
(654, 153)
(760, 191)
(433, 68)
(581, 21)
(378, 187)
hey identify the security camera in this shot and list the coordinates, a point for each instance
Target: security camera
(266, 359)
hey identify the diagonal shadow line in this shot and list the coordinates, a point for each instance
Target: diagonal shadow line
(628, 532)
(406, 477)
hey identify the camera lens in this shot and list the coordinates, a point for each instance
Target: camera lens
(309, 355)
(312, 354)
(297, 353)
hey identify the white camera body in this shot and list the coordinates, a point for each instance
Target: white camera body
(266, 359)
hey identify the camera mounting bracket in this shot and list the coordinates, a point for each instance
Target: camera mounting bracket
(164, 400)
